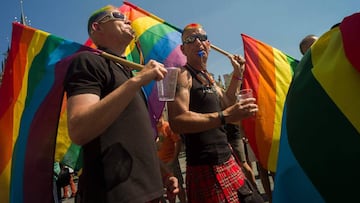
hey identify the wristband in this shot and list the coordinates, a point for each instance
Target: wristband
(222, 118)
(237, 78)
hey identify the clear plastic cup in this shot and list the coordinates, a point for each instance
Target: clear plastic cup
(244, 94)
(166, 87)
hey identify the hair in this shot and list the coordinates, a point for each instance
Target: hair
(335, 25)
(97, 15)
(191, 26)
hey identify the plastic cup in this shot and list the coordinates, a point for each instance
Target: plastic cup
(166, 87)
(244, 94)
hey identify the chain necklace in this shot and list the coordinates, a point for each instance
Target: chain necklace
(204, 78)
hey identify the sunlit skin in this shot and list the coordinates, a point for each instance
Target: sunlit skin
(182, 120)
(306, 43)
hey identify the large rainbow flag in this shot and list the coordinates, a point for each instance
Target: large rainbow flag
(33, 117)
(268, 72)
(319, 148)
(30, 106)
(156, 39)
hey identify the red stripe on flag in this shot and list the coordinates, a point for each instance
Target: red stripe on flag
(350, 29)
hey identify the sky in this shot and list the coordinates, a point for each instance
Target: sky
(281, 24)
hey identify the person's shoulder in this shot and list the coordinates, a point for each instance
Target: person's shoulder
(87, 59)
(185, 77)
(87, 55)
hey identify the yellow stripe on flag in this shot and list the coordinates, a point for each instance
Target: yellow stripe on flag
(338, 70)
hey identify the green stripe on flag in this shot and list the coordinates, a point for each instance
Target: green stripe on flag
(320, 135)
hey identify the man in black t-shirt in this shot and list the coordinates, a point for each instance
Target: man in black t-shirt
(108, 116)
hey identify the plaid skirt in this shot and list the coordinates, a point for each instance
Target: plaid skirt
(214, 184)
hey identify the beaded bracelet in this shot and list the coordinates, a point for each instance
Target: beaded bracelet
(237, 78)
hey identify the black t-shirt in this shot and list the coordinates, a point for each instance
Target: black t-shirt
(232, 132)
(121, 165)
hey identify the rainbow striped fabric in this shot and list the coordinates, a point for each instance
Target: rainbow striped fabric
(157, 40)
(33, 117)
(31, 96)
(268, 72)
(319, 148)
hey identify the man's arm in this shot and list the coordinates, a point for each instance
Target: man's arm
(181, 119)
(238, 64)
(88, 116)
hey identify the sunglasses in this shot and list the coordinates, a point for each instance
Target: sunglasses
(115, 15)
(192, 38)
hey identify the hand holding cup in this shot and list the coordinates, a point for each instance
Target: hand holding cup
(167, 86)
(244, 94)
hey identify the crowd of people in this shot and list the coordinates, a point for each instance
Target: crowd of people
(64, 186)
(121, 160)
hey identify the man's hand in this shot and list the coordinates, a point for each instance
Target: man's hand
(172, 186)
(238, 63)
(153, 70)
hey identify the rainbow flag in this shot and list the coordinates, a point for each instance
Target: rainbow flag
(319, 147)
(157, 40)
(30, 107)
(268, 72)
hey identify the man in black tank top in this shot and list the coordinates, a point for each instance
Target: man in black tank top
(199, 112)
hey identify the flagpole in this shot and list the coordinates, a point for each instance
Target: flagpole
(122, 61)
(139, 67)
(22, 17)
(220, 50)
(178, 29)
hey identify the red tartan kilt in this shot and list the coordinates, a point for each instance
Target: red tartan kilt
(211, 184)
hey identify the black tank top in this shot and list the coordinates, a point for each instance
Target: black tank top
(207, 147)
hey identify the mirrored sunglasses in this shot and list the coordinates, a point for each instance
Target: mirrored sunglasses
(192, 38)
(115, 15)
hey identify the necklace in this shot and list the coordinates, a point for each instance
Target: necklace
(204, 78)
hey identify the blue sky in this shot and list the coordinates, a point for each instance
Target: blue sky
(279, 23)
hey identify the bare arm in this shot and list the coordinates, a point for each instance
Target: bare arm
(182, 120)
(177, 146)
(238, 64)
(170, 181)
(88, 116)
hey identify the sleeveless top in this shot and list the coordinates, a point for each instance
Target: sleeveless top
(208, 147)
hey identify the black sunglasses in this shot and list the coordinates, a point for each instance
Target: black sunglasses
(192, 38)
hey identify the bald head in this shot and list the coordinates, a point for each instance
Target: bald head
(190, 28)
(306, 43)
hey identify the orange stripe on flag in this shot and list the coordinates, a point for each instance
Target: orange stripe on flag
(268, 72)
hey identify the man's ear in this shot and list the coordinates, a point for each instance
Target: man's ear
(96, 26)
(182, 49)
